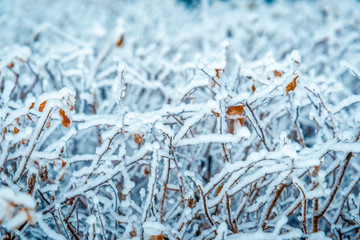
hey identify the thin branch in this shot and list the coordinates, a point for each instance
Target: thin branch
(205, 206)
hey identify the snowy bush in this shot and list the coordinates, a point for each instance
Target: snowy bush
(150, 120)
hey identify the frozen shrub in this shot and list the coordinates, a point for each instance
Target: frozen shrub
(148, 120)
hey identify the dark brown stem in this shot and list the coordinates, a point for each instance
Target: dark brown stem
(72, 230)
(205, 206)
(345, 198)
(229, 212)
(276, 197)
(72, 210)
(62, 223)
(337, 185)
(315, 217)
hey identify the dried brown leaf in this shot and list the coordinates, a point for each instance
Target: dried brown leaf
(277, 73)
(235, 111)
(292, 85)
(138, 138)
(120, 42)
(65, 120)
(42, 106)
(253, 88)
(217, 72)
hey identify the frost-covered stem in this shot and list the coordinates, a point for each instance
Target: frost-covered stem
(229, 212)
(16, 80)
(72, 209)
(103, 149)
(315, 219)
(34, 82)
(91, 187)
(217, 183)
(345, 198)
(336, 185)
(299, 132)
(304, 205)
(212, 78)
(93, 108)
(241, 207)
(205, 206)
(101, 223)
(51, 212)
(226, 156)
(72, 230)
(5, 150)
(62, 222)
(268, 211)
(336, 135)
(23, 164)
(304, 224)
(167, 166)
(182, 124)
(179, 178)
(262, 137)
(151, 185)
(295, 206)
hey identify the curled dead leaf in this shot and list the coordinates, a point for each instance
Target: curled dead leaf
(234, 112)
(42, 106)
(292, 85)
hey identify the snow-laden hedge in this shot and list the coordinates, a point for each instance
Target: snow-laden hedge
(148, 120)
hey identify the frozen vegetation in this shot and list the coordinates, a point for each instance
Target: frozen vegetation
(156, 120)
